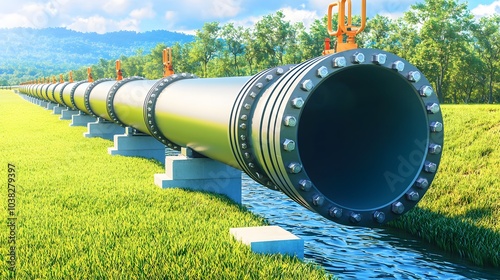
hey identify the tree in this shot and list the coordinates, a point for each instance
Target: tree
(206, 45)
(273, 35)
(444, 33)
(487, 35)
(233, 39)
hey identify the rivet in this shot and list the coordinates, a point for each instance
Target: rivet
(294, 167)
(290, 121)
(436, 127)
(355, 218)
(414, 76)
(430, 167)
(305, 185)
(247, 106)
(398, 208)
(269, 77)
(253, 94)
(307, 85)
(244, 146)
(335, 212)
(297, 103)
(413, 196)
(433, 108)
(243, 126)
(435, 149)
(318, 200)
(339, 62)
(259, 85)
(358, 58)
(258, 175)
(379, 217)
(422, 183)
(399, 66)
(280, 71)
(251, 165)
(322, 72)
(379, 59)
(243, 117)
(426, 91)
(247, 155)
(243, 137)
(289, 145)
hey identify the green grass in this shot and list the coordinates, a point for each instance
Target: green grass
(85, 214)
(461, 211)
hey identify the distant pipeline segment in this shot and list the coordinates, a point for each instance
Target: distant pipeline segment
(354, 136)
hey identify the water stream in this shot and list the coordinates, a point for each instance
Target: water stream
(358, 253)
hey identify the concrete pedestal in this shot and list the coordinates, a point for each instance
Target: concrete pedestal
(200, 174)
(103, 129)
(81, 119)
(67, 114)
(137, 145)
(43, 103)
(50, 106)
(58, 109)
(270, 240)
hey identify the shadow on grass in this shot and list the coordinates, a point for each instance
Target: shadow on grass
(457, 235)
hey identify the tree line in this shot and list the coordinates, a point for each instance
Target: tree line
(459, 54)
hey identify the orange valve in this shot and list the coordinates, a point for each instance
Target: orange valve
(119, 74)
(61, 79)
(167, 62)
(343, 27)
(70, 76)
(90, 79)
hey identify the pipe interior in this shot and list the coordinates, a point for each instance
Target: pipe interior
(360, 136)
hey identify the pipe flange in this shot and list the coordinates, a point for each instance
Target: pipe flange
(240, 128)
(86, 96)
(111, 96)
(61, 94)
(290, 161)
(72, 93)
(150, 105)
(53, 90)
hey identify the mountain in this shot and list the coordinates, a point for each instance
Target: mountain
(27, 52)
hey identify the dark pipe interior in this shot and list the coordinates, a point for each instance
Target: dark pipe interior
(360, 136)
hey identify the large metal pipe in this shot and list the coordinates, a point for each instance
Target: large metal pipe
(355, 136)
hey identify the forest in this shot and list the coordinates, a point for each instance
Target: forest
(458, 53)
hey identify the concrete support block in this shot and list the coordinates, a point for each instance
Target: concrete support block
(270, 240)
(137, 145)
(50, 106)
(103, 129)
(67, 114)
(200, 174)
(81, 119)
(58, 109)
(43, 103)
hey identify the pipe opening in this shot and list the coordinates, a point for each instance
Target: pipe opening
(362, 136)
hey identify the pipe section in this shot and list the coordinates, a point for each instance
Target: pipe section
(354, 136)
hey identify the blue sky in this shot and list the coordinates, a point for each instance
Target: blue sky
(184, 15)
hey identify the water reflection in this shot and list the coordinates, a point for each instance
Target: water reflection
(358, 253)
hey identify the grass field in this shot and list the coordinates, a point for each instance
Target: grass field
(88, 213)
(82, 213)
(461, 211)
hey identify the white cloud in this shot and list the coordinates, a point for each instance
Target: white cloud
(300, 15)
(102, 25)
(215, 9)
(115, 7)
(145, 12)
(14, 20)
(487, 10)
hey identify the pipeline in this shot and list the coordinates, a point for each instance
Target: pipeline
(9, 87)
(355, 136)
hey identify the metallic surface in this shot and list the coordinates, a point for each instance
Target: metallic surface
(355, 136)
